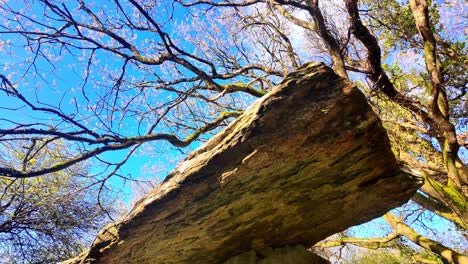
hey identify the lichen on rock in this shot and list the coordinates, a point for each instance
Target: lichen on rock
(305, 161)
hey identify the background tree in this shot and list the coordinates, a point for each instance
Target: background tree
(49, 218)
(166, 74)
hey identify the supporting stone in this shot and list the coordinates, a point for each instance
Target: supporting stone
(285, 255)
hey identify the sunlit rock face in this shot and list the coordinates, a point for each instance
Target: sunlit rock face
(305, 161)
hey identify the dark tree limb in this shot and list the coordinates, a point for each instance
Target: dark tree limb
(118, 144)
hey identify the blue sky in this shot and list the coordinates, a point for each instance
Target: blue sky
(58, 79)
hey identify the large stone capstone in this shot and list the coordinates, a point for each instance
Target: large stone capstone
(305, 161)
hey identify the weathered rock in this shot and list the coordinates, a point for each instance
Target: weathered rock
(303, 162)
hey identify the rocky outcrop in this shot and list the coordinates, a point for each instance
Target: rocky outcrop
(305, 161)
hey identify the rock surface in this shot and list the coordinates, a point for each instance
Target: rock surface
(305, 161)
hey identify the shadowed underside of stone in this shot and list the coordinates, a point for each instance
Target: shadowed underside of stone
(305, 161)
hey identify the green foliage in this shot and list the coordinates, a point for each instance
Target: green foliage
(49, 218)
(46, 219)
(393, 21)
